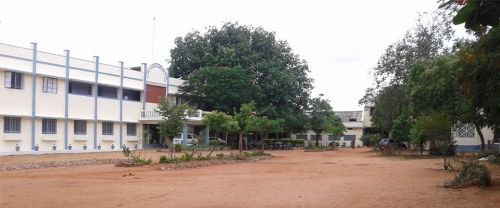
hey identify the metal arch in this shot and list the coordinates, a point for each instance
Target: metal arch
(156, 65)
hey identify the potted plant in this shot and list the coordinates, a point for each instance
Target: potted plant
(99, 146)
(84, 146)
(112, 146)
(54, 147)
(37, 147)
(17, 147)
(70, 147)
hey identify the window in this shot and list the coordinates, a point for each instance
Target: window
(49, 126)
(108, 92)
(79, 88)
(333, 138)
(352, 119)
(464, 130)
(107, 128)
(131, 129)
(12, 125)
(50, 85)
(131, 95)
(178, 100)
(349, 137)
(301, 136)
(80, 127)
(13, 80)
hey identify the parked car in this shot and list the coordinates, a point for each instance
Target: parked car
(390, 143)
(191, 139)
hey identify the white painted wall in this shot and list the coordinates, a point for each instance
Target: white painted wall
(15, 101)
(131, 111)
(45, 141)
(108, 109)
(77, 141)
(81, 107)
(8, 141)
(107, 140)
(49, 104)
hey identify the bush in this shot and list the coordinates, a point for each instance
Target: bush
(135, 158)
(178, 148)
(493, 155)
(163, 159)
(370, 140)
(472, 173)
(186, 157)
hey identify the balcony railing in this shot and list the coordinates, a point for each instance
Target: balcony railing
(152, 115)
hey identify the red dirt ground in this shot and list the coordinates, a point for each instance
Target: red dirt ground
(342, 178)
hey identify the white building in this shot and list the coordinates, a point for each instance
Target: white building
(352, 120)
(49, 100)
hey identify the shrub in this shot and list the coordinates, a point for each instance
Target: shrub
(135, 158)
(493, 155)
(472, 173)
(186, 157)
(178, 148)
(297, 142)
(163, 159)
(370, 140)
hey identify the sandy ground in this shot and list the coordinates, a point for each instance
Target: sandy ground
(343, 178)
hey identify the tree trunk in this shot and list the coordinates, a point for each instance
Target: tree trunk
(481, 136)
(262, 142)
(317, 138)
(240, 145)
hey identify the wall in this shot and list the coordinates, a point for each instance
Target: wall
(8, 141)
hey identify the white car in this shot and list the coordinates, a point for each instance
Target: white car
(191, 139)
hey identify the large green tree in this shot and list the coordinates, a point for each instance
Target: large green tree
(421, 44)
(279, 75)
(389, 104)
(220, 88)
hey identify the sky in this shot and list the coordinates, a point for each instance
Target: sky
(341, 40)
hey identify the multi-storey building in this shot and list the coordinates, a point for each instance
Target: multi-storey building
(52, 101)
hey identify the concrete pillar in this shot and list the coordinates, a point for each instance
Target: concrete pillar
(207, 135)
(33, 95)
(184, 133)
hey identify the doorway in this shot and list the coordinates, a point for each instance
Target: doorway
(155, 140)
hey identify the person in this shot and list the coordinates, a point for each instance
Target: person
(353, 143)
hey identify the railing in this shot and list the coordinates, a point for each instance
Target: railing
(155, 115)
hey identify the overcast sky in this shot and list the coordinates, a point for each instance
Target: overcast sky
(341, 40)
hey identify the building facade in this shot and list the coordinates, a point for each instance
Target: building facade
(50, 101)
(352, 120)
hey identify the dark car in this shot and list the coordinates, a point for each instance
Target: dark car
(390, 143)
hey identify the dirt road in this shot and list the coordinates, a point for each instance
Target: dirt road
(343, 178)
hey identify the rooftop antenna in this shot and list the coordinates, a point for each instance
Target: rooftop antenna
(153, 42)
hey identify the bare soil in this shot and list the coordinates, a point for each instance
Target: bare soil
(341, 178)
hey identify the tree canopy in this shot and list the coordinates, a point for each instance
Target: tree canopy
(323, 119)
(220, 88)
(279, 77)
